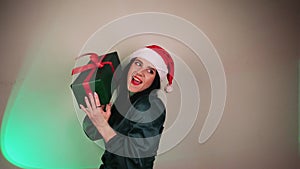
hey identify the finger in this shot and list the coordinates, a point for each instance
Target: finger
(100, 108)
(85, 110)
(97, 100)
(87, 102)
(108, 108)
(92, 101)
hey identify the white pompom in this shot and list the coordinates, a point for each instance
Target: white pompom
(168, 88)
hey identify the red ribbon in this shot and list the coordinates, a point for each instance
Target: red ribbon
(93, 66)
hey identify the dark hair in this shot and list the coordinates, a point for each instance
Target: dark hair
(122, 80)
(122, 90)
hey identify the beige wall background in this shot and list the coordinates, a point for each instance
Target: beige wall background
(258, 42)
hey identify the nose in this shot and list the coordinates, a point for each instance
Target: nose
(141, 71)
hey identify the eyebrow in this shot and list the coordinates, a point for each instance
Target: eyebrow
(143, 64)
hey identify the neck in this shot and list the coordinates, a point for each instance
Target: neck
(130, 93)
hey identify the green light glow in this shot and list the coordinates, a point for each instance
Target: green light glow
(40, 128)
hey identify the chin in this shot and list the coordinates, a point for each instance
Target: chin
(133, 90)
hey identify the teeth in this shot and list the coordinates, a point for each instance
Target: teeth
(136, 79)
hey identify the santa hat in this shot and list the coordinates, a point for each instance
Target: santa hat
(161, 60)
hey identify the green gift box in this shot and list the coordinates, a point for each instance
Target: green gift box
(95, 76)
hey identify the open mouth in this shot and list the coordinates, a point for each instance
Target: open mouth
(136, 81)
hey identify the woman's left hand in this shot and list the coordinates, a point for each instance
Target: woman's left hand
(95, 111)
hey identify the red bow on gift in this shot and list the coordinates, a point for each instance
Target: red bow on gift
(93, 66)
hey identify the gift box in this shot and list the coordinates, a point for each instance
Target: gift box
(95, 76)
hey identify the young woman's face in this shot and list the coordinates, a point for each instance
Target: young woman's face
(140, 76)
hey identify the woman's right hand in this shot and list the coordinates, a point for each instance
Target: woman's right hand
(106, 114)
(98, 116)
(95, 111)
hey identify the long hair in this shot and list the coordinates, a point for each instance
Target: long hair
(123, 100)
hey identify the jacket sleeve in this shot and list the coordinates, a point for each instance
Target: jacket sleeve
(142, 140)
(90, 130)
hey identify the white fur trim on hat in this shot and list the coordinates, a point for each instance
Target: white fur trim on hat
(168, 88)
(154, 58)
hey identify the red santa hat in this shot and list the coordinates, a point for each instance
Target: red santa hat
(161, 60)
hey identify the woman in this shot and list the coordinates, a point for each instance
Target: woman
(132, 126)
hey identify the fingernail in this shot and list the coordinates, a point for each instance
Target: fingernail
(95, 93)
(80, 105)
(90, 94)
(85, 97)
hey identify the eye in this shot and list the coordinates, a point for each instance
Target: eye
(138, 63)
(151, 71)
